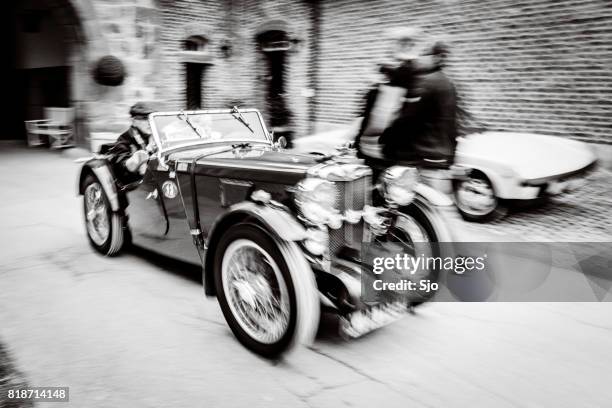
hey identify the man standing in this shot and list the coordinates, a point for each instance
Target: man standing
(385, 102)
(433, 118)
(420, 103)
(131, 150)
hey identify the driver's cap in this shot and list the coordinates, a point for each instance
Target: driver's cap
(140, 110)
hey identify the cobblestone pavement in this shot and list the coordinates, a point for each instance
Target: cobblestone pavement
(584, 215)
(131, 331)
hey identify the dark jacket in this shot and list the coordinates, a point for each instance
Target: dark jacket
(369, 99)
(127, 143)
(425, 130)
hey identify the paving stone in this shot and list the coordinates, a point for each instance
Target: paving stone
(583, 215)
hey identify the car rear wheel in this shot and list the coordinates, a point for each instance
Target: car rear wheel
(257, 292)
(104, 227)
(476, 200)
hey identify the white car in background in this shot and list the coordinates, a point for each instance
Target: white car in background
(493, 168)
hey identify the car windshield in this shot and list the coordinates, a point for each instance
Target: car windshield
(179, 128)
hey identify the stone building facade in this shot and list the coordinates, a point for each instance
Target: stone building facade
(538, 65)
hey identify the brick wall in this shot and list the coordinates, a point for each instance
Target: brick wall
(250, 16)
(537, 65)
(241, 76)
(179, 19)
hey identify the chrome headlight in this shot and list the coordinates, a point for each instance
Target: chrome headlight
(316, 202)
(398, 185)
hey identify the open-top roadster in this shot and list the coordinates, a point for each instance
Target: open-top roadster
(278, 234)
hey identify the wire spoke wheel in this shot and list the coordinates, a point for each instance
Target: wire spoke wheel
(256, 291)
(96, 214)
(105, 227)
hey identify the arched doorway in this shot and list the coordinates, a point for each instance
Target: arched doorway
(194, 70)
(274, 44)
(45, 43)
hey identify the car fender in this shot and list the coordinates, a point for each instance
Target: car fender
(275, 221)
(101, 169)
(432, 196)
(438, 208)
(528, 155)
(306, 293)
(503, 178)
(278, 221)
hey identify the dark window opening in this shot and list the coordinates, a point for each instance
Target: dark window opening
(274, 40)
(194, 73)
(195, 43)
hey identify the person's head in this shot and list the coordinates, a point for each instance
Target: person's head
(434, 54)
(140, 117)
(406, 43)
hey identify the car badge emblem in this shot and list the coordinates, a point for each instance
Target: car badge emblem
(170, 189)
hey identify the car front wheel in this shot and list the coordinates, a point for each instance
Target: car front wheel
(258, 294)
(104, 227)
(476, 200)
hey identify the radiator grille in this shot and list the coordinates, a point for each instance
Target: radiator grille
(352, 195)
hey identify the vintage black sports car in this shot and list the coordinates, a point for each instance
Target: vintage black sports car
(278, 234)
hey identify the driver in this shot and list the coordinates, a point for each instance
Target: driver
(131, 150)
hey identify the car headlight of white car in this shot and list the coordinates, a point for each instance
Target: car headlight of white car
(397, 185)
(316, 202)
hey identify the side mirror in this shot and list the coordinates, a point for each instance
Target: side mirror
(281, 142)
